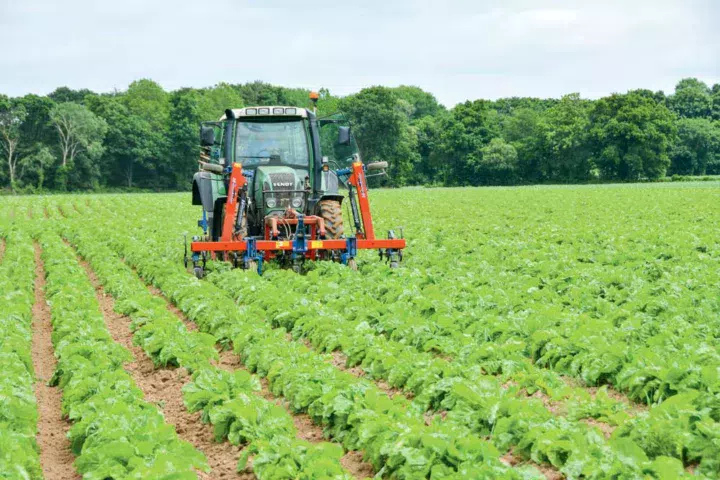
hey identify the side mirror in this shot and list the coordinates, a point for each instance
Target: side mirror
(207, 136)
(343, 135)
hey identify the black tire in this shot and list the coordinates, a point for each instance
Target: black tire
(331, 213)
(218, 217)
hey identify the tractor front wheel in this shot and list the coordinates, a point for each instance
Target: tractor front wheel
(331, 213)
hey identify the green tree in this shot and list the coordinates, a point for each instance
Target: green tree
(183, 139)
(498, 164)
(692, 99)
(78, 129)
(564, 130)
(65, 94)
(12, 116)
(37, 129)
(429, 167)
(80, 133)
(214, 101)
(469, 127)
(698, 147)
(148, 100)
(630, 136)
(38, 163)
(131, 144)
(421, 103)
(715, 91)
(525, 131)
(382, 130)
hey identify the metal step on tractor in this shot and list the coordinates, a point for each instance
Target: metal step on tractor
(271, 183)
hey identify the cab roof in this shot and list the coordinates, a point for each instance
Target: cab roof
(269, 111)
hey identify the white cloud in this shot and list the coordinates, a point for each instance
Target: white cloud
(456, 49)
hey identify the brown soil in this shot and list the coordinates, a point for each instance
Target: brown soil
(46, 213)
(605, 428)
(30, 212)
(339, 360)
(191, 326)
(163, 386)
(548, 471)
(62, 212)
(353, 463)
(56, 459)
(633, 407)
(554, 407)
(2, 248)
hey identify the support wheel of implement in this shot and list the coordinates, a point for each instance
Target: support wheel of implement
(199, 272)
(394, 264)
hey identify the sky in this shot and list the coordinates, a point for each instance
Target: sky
(456, 49)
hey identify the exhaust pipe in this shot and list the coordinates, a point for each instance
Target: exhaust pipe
(229, 124)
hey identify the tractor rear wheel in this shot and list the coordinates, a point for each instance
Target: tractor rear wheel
(331, 213)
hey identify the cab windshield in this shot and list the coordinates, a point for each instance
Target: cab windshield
(271, 141)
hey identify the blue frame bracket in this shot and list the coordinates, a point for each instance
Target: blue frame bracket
(350, 250)
(299, 245)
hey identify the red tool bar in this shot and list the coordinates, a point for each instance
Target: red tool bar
(360, 182)
(235, 185)
(269, 245)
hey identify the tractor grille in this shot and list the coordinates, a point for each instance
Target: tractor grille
(279, 182)
(282, 187)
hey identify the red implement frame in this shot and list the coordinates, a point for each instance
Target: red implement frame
(229, 243)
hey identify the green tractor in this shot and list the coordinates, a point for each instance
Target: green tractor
(282, 148)
(271, 185)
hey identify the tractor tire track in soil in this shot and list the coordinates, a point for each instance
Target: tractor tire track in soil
(163, 387)
(307, 430)
(56, 458)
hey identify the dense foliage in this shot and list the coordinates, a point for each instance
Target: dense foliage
(148, 138)
(18, 414)
(568, 328)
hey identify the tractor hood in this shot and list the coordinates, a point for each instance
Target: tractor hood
(279, 187)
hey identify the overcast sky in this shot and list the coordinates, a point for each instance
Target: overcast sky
(457, 50)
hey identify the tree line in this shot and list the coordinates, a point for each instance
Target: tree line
(145, 137)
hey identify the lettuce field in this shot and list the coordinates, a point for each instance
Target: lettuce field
(530, 332)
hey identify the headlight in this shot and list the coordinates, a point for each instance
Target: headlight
(271, 202)
(297, 202)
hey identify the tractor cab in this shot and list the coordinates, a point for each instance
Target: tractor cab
(289, 158)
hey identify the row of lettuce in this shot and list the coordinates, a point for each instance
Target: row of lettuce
(354, 411)
(228, 400)
(614, 286)
(477, 402)
(19, 454)
(348, 314)
(115, 433)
